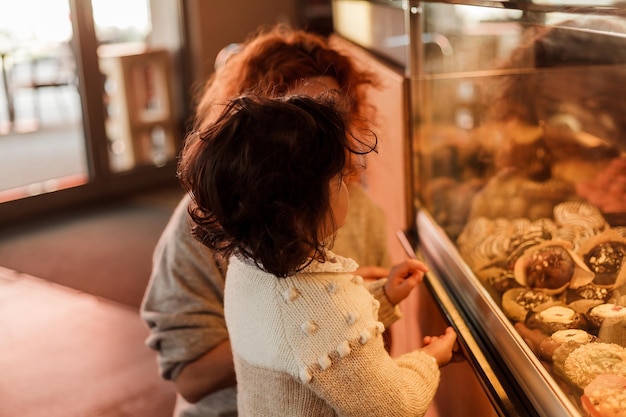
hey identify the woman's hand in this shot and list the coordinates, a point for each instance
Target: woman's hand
(372, 272)
(403, 278)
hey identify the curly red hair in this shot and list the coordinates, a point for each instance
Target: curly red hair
(276, 59)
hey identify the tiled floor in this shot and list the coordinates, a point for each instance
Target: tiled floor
(65, 353)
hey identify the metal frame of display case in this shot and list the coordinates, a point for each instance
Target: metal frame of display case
(566, 6)
(498, 383)
(473, 313)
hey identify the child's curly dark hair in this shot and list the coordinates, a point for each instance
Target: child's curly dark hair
(260, 177)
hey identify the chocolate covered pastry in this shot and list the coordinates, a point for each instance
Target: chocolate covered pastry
(588, 292)
(606, 260)
(517, 303)
(553, 267)
(605, 255)
(498, 243)
(500, 280)
(533, 234)
(550, 267)
(585, 298)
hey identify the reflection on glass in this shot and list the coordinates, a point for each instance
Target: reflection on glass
(522, 162)
(41, 135)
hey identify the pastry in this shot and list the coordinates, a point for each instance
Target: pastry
(500, 280)
(534, 234)
(553, 267)
(579, 214)
(605, 255)
(605, 396)
(606, 260)
(544, 346)
(517, 303)
(572, 335)
(585, 298)
(554, 318)
(605, 314)
(580, 364)
(468, 242)
(588, 292)
(609, 320)
(550, 267)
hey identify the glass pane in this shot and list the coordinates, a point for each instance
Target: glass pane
(522, 162)
(140, 122)
(42, 146)
(133, 25)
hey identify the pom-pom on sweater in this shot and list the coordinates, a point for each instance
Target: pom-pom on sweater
(311, 345)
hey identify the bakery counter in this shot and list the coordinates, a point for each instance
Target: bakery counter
(518, 147)
(564, 347)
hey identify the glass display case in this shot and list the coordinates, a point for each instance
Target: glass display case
(518, 156)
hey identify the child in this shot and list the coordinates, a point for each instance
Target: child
(267, 186)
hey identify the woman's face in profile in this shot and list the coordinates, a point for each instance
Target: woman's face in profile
(314, 86)
(339, 201)
(339, 196)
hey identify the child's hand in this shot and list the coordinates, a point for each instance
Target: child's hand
(403, 278)
(442, 348)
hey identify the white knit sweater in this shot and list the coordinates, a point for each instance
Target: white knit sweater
(311, 345)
